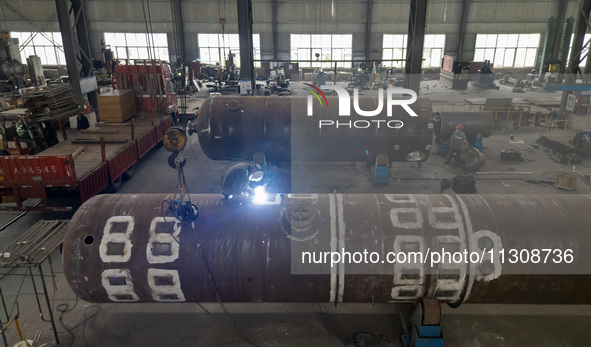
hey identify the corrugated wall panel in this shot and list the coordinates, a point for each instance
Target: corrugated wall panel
(502, 12)
(302, 16)
(36, 11)
(127, 11)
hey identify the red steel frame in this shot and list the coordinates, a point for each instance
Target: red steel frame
(151, 76)
(29, 176)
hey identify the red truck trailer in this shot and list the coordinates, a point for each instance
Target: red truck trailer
(90, 161)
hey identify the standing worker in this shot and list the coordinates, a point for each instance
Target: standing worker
(458, 140)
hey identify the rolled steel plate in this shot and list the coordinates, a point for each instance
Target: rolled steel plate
(474, 123)
(127, 248)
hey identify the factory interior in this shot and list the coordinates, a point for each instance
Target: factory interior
(295, 173)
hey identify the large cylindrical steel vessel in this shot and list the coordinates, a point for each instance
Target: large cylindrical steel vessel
(237, 127)
(124, 248)
(474, 123)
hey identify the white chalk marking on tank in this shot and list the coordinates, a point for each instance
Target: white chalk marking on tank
(406, 218)
(342, 231)
(119, 293)
(333, 247)
(117, 238)
(469, 233)
(404, 286)
(165, 292)
(445, 217)
(445, 284)
(303, 196)
(450, 218)
(495, 260)
(166, 239)
(400, 198)
(404, 292)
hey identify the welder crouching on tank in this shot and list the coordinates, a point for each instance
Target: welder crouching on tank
(236, 181)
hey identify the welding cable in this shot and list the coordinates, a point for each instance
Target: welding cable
(218, 298)
(64, 308)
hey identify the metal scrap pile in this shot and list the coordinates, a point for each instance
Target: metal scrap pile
(565, 153)
(53, 102)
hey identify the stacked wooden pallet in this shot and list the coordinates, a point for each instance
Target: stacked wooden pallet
(116, 106)
(53, 102)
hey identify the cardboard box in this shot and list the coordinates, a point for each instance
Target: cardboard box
(116, 106)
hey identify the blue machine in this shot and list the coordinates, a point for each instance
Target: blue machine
(380, 173)
(424, 328)
(443, 148)
(485, 77)
(478, 145)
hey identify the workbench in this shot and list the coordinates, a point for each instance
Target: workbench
(29, 251)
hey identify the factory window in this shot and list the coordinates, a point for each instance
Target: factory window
(135, 46)
(214, 48)
(47, 46)
(329, 47)
(394, 47)
(503, 50)
(584, 51)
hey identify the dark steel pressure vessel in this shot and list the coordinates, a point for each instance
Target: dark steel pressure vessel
(127, 248)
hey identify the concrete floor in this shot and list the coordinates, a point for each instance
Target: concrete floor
(305, 324)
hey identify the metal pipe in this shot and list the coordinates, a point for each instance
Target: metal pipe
(123, 248)
(236, 127)
(36, 294)
(57, 340)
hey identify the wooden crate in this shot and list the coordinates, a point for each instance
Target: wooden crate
(116, 106)
(565, 180)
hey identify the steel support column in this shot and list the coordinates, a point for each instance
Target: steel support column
(81, 25)
(560, 21)
(246, 43)
(63, 17)
(463, 25)
(548, 44)
(416, 37)
(577, 44)
(369, 12)
(580, 29)
(274, 27)
(179, 29)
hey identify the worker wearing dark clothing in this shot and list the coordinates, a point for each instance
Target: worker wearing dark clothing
(236, 179)
(82, 122)
(458, 141)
